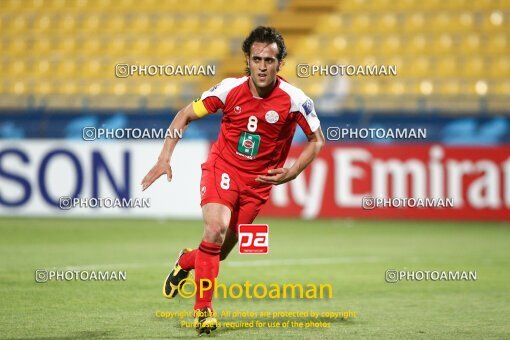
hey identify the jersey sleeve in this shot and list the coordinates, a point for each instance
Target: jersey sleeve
(307, 118)
(206, 106)
(215, 98)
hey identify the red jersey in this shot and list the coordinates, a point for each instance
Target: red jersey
(256, 133)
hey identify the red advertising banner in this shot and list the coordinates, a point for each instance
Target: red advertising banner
(398, 181)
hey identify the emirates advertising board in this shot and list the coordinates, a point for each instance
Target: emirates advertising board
(346, 181)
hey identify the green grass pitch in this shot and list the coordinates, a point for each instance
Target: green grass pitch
(350, 255)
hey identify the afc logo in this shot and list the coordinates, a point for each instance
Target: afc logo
(253, 238)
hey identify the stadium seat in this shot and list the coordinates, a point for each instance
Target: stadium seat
(440, 47)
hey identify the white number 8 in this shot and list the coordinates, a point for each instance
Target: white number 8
(252, 123)
(225, 181)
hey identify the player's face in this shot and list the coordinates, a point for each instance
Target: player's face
(263, 63)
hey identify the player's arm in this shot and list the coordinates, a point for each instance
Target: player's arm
(282, 175)
(193, 111)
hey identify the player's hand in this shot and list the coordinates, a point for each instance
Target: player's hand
(156, 172)
(277, 176)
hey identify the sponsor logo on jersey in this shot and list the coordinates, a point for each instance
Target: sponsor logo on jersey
(214, 87)
(248, 144)
(272, 116)
(308, 106)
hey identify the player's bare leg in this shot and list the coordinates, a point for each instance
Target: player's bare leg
(207, 263)
(229, 243)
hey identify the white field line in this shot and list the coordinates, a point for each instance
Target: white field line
(251, 263)
(304, 262)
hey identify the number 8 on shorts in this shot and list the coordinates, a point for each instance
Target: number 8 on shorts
(225, 181)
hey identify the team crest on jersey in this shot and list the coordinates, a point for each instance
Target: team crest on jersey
(272, 116)
(308, 106)
(237, 109)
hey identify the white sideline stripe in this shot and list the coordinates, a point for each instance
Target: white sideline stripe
(116, 266)
(299, 262)
(254, 263)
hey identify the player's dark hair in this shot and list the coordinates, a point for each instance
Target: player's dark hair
(267, 35)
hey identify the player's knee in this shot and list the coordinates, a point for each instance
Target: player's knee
(215, 231)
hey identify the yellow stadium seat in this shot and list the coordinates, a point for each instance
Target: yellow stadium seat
(67, 23)
(44, 87)
(388, 22)
(456, 4)
(42, 45)
(165, 45)
(498, 43)
(354, 5)
(246, 6)
(364, 45)
(391, 44)
(141, 45)
(332, 24)
(396, 87)
(405, 5)
(430, 5)
(465, 22)
(336, 47)
(165, 24)
(190, 24)
(69, 87)
(419, 67)
(140, 24)
(414, 22)
(495, 20)
(118, 45)
(217, 48)
(18, 47)
(289, 68)
(500, 67)
(475, 66)
(442, 44)
(381, 5)
(129, 5)
(310, 45)
(369, 86)
(482, 4)
(190, 47)
(441, 48)
(446, 66)
(360, 23)
(470, 44)
(114, 23)
(502, 87)
(212, 6)
(239, 26)
(451, 86)
(439, 22)
(214, 25)
(91, 46)
(92, 23)
(418, 45)
(13, 4)
(19, 23)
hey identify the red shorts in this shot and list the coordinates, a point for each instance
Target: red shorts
(224, 184)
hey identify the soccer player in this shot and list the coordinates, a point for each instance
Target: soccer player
(260, 114)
